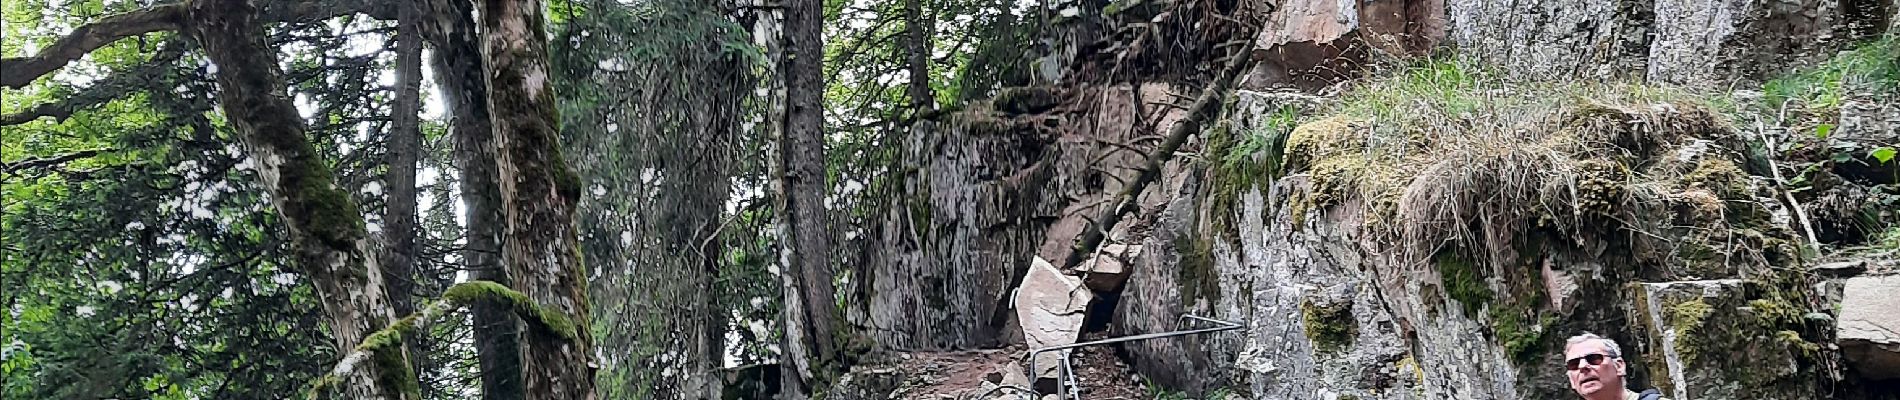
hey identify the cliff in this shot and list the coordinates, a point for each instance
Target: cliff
(1423, 199)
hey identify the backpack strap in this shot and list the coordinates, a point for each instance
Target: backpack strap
(1651, 394)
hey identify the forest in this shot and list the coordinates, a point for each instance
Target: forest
(912, 199)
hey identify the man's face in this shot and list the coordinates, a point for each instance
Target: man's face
(1591, 379)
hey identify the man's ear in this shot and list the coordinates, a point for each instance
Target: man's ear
(1621, 368)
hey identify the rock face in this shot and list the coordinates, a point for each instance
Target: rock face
(1319, 329)
(868, 384)
(1337, 307)
(1594, 38)
(1699, 42)
(939, 267)
(1313, 43)
(1175, 275)
(1661, 241)
(1868, 124)
(1697, 330)
(986, 192)
(1704, 41)
(1869, 328)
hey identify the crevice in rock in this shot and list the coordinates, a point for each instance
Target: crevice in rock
(1101, 312)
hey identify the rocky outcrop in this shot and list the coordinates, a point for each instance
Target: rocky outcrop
(1314, 43)
(937, 269)
(1310, 43)
(985, 191)
(1364, 275)
(1866, 124)
(1707, 42)
(1340, 305)
(1869, 328)
(1696, 330)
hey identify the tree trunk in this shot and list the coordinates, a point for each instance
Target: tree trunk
(458, 64)
(325, 227)
(405, 140)
(538, 192)
(811, 324)
(917, 43)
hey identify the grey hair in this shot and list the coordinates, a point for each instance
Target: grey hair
(1615, 351)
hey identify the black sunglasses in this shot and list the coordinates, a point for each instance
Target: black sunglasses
(1593, 359)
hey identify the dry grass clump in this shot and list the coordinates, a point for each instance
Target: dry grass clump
(1444, 153)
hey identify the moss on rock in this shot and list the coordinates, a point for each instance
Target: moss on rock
(1318, 140)
(1720, 177)
(1463, 282)
(1522, 335)
(1236, 169)
(1686, 319)
(1601, 186)
(1330, 326)
(1196, 277)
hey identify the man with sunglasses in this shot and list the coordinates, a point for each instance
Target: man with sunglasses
(1596, 369)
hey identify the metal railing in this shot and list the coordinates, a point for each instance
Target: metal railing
(1066, 385)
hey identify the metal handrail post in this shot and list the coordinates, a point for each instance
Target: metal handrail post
(1062, 368)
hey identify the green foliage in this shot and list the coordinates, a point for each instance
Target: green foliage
(157, 267)
(1158, 392)
(1522, 331)
(1463, 282)
(151, 270)
(665, 132)
(1448, 87)
(1890, 239)
(539, 315)
(1243, 160)
(1868, 68)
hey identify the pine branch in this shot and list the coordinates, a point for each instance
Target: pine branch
(48, 162)
(105, 90)
(17, 72)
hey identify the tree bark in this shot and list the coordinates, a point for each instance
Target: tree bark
(810, 325)
(538, 191)
(917, 43)
(458, 65)
(1205, 107)
(325, 227)
(405, 140)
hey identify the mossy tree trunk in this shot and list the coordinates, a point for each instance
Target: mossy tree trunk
(405, 140)
(811, 323)
(538, 194)
(458, 64)
(325, 227)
